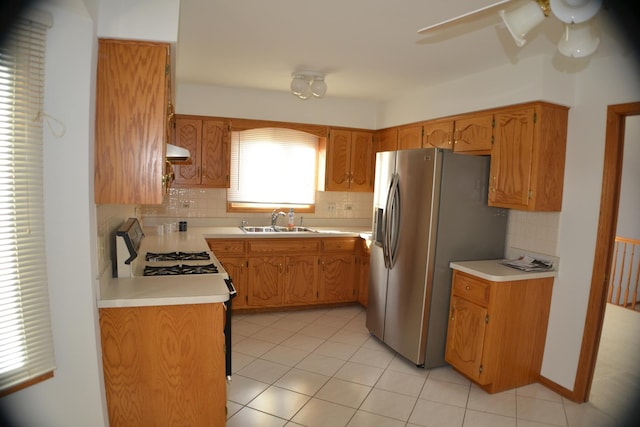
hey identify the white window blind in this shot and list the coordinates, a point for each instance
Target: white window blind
(26, 344)
(273, 167)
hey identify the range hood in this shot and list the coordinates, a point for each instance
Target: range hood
(177, 154)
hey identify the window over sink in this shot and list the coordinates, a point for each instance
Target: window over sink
(273, 168)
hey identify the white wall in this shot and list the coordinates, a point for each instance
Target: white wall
(608, 80)
(271, 105)
(155, 20)
(73, 397)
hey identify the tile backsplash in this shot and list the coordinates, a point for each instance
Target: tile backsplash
(210, 204)
(534, 231)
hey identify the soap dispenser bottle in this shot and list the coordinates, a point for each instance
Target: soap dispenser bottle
(291, 218)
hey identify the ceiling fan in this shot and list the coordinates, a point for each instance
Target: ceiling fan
(578, 38)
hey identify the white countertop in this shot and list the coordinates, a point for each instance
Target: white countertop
(236, 232)
(494, 271)
(193, 289)
(163, 290)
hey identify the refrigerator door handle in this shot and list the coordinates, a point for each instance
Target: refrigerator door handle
(385, 225)
(392, 218)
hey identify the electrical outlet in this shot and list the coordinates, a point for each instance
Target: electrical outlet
(185, 205)
(331, 207)
(348, 207)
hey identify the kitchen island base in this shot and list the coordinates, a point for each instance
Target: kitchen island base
(164, 365)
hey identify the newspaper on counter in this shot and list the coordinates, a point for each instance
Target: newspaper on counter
(527, 263)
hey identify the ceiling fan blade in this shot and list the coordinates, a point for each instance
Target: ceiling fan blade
(461, 17)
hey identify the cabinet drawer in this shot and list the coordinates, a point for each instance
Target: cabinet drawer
(471, 288)
(293, 246)
(342, 245)
(226, 247)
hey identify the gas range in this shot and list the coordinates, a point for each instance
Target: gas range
(129, 238)
(155, 265)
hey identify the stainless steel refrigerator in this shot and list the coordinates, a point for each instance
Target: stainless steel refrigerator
(429, 208)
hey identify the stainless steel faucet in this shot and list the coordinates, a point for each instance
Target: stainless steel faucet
(275, 215)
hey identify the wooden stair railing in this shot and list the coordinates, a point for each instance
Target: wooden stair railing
(625, 273)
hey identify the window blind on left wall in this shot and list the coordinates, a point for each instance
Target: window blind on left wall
(26, 343)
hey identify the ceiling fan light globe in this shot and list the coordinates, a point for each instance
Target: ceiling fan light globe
(522, 20)
(578, 40)
(318, 88)
(298, 85)
(575, 11)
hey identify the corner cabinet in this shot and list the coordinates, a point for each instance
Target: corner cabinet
(209, 143)
(349, 161)
(497, 330)
(528, 156)
(132, 122)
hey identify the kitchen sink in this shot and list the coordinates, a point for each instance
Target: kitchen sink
(276, 229)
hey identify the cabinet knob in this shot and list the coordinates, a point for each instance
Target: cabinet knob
(468, 287)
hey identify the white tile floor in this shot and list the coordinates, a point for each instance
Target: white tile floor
(322, 368)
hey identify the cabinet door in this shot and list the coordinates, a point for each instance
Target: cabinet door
(363, 280)
(337, 278)
(216, 162)
(265, 281)
(301, 284)
(361, 174)
(338, 160)
(410, 137)
(173, 353)
(474, 133)
(188, 135)
(387, 140)
(438, 134)
(465, 338)
(131, 118)
(236, 268)
(511, 159)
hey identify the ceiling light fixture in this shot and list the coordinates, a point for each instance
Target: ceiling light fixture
(578, 38)
(305, 84)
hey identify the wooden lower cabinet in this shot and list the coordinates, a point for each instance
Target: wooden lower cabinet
(164, 365)
(266, 281)
(283, 272)
(363, 281)
(301, 279)
(497, 330)
(338, 278)
(231, 253)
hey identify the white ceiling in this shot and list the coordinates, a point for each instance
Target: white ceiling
(369, 49)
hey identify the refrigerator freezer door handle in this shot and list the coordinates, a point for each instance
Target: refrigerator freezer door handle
(393, 216)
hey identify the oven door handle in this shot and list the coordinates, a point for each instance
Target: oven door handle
(232, 290)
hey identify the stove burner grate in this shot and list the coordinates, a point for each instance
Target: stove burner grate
(175, 270)
(177, 256)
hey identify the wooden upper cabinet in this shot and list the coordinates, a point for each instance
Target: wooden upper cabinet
(216, 154)
(349, 161)
(132, 104)
(386, 140)
(209, 143)
(473, 133)
(188, 135)
(528, 156)
(438, 134)
(410, 137)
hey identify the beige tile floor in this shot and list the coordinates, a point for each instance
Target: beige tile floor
(321, 367)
